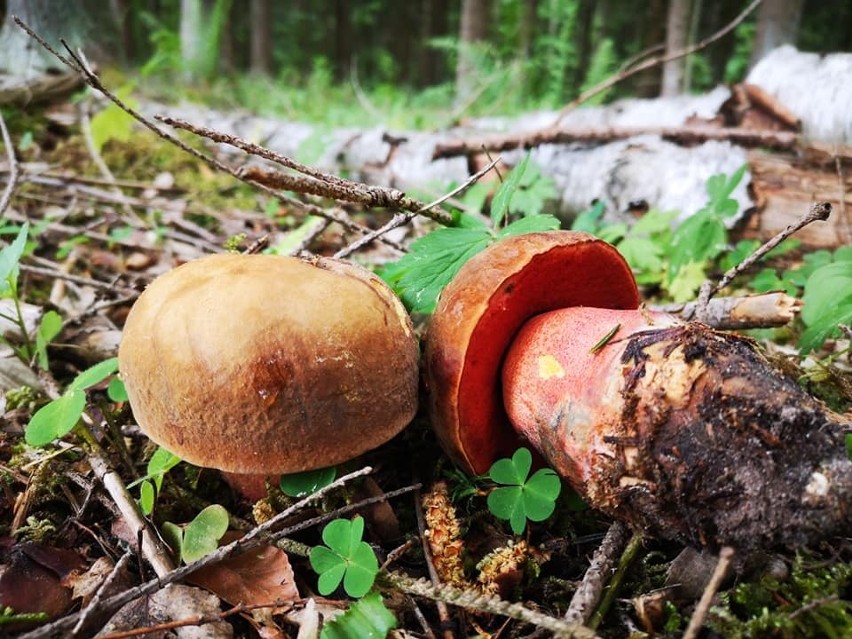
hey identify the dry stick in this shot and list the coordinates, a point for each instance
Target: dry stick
(443, 611)
(655, 61)
(14, 168)
(473, 599)
(86, 612)
(318, 183)
(726, 555)
(763, 310)
(818, 211)
(76, 279)
(249, 540)
(399, 219)
(95, 82)
(597, 575)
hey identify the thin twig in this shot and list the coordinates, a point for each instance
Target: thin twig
(626, 558)
(819, 211)
(597, 575)
(76, 279)
(86, 612)
(726, 556)
(400, 219)
(250, 540)
(14, 168)
(323, 184)
(611, 81)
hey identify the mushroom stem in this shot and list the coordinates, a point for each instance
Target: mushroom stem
(677, 428)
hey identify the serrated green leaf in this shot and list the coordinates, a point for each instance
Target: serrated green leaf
(308, 482)
(589, 220)
(688, 281)
(56, 419)
(420, 275)
(365, 619)
(827, 303)
(503, 196)
(699, 239)
(95, 374)
(767, 280)
(10, 256)
(202, 534)
(530, 224)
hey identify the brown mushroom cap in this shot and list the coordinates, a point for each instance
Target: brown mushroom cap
(483, 308)
(267, 364)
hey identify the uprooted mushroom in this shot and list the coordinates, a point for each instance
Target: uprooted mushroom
(260, 365)
(681, 430)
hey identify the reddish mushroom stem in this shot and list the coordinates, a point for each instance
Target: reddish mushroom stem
(679, 429)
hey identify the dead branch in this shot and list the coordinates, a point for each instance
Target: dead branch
(818, 211)
(597, 575)
(14, 168)
(316, 182)
(765, 310)
(726, 556)
(687, 135)
(768, 103)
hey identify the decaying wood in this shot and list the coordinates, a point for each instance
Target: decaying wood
(762, 99)
(687, 135)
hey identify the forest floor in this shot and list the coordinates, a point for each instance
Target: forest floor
(106, 217)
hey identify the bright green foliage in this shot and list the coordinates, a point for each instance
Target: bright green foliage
(48, 328)
(434, 259)
(113, 123)
(116, 390)
(161, 462)
(308, 482)
(10, 257)
(367, 618)
(810, 603)
(199, 537)
(703, 236)
(346, 558)
(56, 418)
(522, 498)
(828, 302)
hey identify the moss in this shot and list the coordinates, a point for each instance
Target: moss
(812, 602)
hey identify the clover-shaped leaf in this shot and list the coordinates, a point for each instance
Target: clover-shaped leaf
(199, 537)
(521, 498)
(308, 482)
(346, 558)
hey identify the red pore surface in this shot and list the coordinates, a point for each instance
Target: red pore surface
(479, 314)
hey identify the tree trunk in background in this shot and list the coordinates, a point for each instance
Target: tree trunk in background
(583, 27)
(434, 24)
(677, 33)
(526, 32)
(473, 29)
(227, 45)
(122, 15)
(777, 24)
(191, 37)
(692, 38)
(342, 40)
(21, 57)
(647, 83)
(260, 30)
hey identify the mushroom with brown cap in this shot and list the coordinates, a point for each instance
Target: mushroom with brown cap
(681, 430)
(261, 364)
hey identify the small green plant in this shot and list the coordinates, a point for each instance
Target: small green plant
(434, 259)
(345, 558)
(161, 462)
(521, 497)
(828, 301)
(56, 418)
(308, 482)
(366, 618)
(199, 537)
(9, 616)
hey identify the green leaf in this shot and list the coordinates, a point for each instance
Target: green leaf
(503, 196)
(345, 558)
(530, 224)
(173, 536)
(202, 534)
(56, 419)
(589, 220)
(688, 281)
(113, 123)
(95, 374)
(367, 618)
(10, 256)
(420, 275)
(48, 328)
(308, 482)
(116, 390)
(520, 498)
(147, 496)
(828, 302)
(699, 239)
